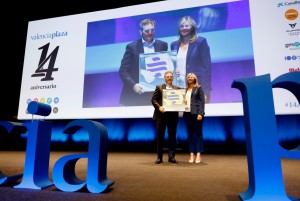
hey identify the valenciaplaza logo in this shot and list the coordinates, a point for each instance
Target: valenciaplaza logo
(53, 35)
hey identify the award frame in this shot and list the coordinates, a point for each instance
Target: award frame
(152, 67)
(174, 99)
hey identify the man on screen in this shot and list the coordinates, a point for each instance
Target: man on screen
(132, 92)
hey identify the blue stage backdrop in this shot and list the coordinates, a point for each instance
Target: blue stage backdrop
(220, 134)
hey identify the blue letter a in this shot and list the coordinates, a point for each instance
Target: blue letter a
(64, 175)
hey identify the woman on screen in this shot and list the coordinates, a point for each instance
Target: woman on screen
(193, 54)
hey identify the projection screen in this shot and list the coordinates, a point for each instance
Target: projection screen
(72, 62)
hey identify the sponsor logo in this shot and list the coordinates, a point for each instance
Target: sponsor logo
(291, 14)
(293, 25)
(56, 100)
(49, 100)
(292, 58)
(292, 46)
(293, 3)
(294, 69)
(280, 4)
(55, 110)
(294, 31)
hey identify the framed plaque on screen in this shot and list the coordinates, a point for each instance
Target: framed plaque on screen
(153, 66)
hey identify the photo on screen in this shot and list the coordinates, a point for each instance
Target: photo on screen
(228, 36)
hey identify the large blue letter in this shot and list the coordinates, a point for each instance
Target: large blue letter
(11, 127)
(64, 176)
(37, 157)
(263, 149)
(36, 168)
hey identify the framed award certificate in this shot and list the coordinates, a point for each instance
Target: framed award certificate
(174, 99)
(152, 67)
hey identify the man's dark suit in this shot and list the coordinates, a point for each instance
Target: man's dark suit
(198, 61)
(163, 120)
(129, 72)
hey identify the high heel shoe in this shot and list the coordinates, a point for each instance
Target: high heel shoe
(192, 158)
(198, 158)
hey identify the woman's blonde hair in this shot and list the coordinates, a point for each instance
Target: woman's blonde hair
(192, 22)
(195, 79)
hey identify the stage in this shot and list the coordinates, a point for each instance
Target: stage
(219, 177)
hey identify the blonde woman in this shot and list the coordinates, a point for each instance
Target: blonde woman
(193, 54)
(193, 117)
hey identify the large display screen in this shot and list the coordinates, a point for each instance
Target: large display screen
(73, 63)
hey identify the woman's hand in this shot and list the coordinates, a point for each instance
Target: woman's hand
(199, 117)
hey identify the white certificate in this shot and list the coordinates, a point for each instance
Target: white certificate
(174, 99)
(153, 66)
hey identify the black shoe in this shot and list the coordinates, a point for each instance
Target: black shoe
(158, 161)
(172, 160)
